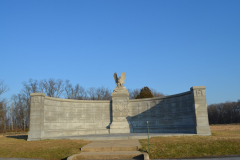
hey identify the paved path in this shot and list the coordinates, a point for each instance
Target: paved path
(122, 136)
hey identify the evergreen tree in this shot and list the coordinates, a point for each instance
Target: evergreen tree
(145, 93)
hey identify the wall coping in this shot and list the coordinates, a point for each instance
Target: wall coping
(69, 100)
(37, 94)
(109, 101)
(77, 101)
(197, 87)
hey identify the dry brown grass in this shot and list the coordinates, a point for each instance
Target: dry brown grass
(17, 146)
(228, 127)
(225, 140)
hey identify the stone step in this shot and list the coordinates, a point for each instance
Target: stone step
(112, 145)
(108, 155)
(110, 149)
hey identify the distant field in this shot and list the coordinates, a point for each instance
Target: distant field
(225, 140)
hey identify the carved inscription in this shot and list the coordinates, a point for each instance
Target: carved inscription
(120, 110)
(121, 107)
(198, 93)
(37, 99)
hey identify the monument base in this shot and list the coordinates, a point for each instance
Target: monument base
(120, 110)
(120, 127)
(125, 130)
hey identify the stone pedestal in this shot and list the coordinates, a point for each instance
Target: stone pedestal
(120, 122)
(36, 131)
(200, 104)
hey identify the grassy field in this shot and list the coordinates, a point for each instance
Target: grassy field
(17, 146)
(225, 140)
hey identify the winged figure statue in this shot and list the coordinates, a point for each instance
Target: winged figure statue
(119, 81)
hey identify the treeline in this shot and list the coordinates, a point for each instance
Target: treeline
(3, 111)
(14, 114)
(224, 113)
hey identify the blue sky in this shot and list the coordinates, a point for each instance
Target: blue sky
(167, 45)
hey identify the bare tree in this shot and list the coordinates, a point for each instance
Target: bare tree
(133, 93)
(77, 92)
(103, 93)
(3, 109)
(68, 89)
(92, 93)
(156, 93)
(3, 116)
(51, 87)
(23, 100)
(81, 93)
(20, 111)
(3, 88)
(31, 86)
(100, 93)
(224, 113)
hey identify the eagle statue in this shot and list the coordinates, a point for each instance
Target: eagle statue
(119, 81)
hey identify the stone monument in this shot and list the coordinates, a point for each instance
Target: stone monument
(120, 109)
(184, 113)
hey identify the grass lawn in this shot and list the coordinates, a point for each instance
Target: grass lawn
(17, 146)
(225, 140)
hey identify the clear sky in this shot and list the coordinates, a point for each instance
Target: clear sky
(167, 45)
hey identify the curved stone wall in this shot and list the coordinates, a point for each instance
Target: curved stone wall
(170, 114)
(54, 117)
(180, 113)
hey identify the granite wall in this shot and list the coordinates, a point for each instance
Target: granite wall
(54, 117)
(171, 114)
(181, 113)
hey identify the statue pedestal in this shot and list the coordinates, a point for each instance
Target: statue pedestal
(120, 123)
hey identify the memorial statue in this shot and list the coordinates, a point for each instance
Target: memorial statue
(119, 81)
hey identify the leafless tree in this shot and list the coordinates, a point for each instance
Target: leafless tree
(3, 88)
(224, 113)
(133, 93)
(3, 108)
(51, 87)
(100, 93)
(20, 111)
(156, 93)
(92, 93)
(3, 116)
(31, 86)
(103, 93)
(23, 100)
(81, 93)
(77, 92)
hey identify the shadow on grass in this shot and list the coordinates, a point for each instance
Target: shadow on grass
(65, 158)
(19, 137)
